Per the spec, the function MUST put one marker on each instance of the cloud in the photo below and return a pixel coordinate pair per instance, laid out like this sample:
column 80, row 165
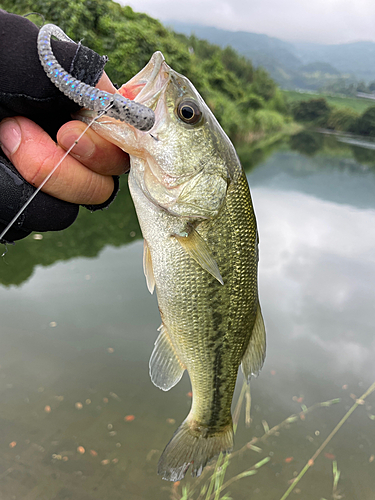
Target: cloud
column 317, row 271
column 322, row 21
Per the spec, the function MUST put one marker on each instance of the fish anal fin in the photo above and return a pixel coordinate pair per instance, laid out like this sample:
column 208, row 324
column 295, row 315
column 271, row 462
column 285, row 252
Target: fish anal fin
column 253, row 358
column 147, row 267
column 166, row 368
column 197, row 248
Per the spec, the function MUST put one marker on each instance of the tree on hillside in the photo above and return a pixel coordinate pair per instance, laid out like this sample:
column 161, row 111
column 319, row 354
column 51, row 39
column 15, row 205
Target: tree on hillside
column 240, row 66
column 263, row 85
column 342, row 119
column 366, row 123
column 362, row 87
column 314, row 110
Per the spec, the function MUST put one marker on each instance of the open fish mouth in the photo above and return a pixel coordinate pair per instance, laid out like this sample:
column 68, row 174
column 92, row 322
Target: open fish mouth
column 145, row 86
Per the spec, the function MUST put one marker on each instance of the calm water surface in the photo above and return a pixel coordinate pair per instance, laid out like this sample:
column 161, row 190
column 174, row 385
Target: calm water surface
column 78, row 327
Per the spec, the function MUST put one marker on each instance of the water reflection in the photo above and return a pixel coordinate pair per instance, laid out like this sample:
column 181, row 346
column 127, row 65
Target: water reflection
column 311, row 143
column 80, row 326
column 307, row 143
column 317, row 273
column 86, row 238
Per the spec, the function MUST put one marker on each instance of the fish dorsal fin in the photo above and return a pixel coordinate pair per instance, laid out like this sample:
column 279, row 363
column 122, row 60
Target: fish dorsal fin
column 253, row 358
column 166, row 368
column 147, row 267
column 197, row 248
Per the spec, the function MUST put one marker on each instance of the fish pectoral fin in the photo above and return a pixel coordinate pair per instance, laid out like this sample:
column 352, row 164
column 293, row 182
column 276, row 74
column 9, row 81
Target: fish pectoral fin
column 253, row 358
column 147, row 267
column 166, row 368
column 197, row 248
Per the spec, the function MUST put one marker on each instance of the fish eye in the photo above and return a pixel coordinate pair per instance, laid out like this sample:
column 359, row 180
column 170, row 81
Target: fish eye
column 189, row 112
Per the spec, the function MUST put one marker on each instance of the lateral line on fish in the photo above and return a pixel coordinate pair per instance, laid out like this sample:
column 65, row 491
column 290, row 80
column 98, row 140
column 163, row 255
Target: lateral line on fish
column 27, row 203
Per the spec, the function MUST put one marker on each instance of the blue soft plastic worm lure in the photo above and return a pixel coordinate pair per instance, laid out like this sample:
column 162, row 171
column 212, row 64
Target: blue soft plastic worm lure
column 89, row 97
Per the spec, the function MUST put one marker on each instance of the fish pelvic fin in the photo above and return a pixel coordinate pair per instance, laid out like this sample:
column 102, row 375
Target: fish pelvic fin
column 147, row 267
column 197, row 248
column 255, row 353
column 166, row 368
column 192, row 446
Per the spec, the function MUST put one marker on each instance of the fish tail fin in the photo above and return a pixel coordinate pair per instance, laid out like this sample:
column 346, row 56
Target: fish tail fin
column 192, row 446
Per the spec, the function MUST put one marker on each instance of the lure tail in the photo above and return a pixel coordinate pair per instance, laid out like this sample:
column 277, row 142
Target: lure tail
column 192, row 445
column 115, row 105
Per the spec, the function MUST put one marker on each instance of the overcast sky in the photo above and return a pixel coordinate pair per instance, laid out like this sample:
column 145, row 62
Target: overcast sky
column 321, row 21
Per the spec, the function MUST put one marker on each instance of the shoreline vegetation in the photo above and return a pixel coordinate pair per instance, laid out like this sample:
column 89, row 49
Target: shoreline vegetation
column 334, row 100
column 319, row 113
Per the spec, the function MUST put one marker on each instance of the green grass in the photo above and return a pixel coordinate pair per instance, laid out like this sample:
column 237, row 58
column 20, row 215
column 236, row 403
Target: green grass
column 212, row 482
column 355, row 103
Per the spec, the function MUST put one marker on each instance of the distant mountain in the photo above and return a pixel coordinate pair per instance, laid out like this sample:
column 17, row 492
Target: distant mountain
column 293, row 65
column 251, row 45
column 357, row 58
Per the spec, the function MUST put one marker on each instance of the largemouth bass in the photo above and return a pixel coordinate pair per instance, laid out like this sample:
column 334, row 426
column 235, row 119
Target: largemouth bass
column 200, row 253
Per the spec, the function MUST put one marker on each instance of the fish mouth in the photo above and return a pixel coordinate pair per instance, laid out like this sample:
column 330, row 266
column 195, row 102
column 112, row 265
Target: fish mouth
column 146, row 86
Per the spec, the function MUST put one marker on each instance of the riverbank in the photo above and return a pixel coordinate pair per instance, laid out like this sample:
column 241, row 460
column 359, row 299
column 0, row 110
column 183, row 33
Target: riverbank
column 355, row 103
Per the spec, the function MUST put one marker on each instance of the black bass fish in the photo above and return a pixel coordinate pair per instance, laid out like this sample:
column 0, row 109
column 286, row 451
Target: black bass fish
column 200, row 253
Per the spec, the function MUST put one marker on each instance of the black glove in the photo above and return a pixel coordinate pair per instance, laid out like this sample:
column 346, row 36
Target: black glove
column 26, row 90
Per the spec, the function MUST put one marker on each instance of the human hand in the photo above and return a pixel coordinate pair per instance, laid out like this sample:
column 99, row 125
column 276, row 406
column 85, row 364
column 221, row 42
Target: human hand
column 26, row 93
column 84, row 177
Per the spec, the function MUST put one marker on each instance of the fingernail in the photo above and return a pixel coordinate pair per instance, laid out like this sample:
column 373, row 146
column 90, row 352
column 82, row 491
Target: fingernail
column 84, row 148
column 10, row 136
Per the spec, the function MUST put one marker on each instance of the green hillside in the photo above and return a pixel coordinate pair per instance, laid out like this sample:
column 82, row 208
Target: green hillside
column 245, row 100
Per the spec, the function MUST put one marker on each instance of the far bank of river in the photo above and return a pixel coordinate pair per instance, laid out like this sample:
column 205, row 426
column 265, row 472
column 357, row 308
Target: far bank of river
column 355, row 103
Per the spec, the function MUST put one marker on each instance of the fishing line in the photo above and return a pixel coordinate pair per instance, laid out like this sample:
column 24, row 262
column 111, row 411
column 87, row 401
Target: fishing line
column 101, row 113
column 5, row 251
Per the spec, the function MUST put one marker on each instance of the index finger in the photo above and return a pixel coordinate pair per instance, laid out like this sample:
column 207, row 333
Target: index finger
column 37, row 154
column 96, row 153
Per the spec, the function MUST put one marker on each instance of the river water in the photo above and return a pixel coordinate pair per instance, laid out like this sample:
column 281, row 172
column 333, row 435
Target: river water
column 79, row 416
